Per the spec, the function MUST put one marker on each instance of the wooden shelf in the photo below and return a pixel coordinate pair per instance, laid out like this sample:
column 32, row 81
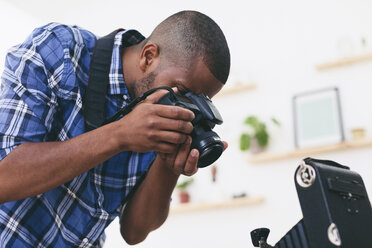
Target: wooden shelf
column 193, row 207
column 345, row 61
column 237, row 88
column 308, row 152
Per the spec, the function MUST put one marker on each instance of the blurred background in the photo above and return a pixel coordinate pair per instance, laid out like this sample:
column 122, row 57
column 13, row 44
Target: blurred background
column 279, row 50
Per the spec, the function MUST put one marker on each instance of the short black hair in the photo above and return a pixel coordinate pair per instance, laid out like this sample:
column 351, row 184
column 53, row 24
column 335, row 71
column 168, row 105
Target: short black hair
column 187, row 35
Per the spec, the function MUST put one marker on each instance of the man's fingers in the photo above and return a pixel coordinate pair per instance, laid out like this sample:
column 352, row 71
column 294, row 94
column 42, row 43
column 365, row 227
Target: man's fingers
column 191, row 163
column 172, row 125
column 168, row 137
column 174, row 112
column 166, row 148
column 183, row 152
column 225, row 145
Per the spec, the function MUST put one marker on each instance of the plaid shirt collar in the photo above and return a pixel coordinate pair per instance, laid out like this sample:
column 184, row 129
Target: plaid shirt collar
column 123, row 39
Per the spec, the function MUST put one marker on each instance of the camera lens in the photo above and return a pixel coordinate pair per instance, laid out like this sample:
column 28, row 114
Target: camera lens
column 210, row 148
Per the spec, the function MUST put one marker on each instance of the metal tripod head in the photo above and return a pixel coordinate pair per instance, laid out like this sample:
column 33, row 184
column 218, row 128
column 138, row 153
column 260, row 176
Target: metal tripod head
column 259, row 237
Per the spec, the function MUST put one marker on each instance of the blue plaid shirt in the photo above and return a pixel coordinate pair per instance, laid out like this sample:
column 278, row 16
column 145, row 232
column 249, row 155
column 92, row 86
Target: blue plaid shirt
column 42, row 88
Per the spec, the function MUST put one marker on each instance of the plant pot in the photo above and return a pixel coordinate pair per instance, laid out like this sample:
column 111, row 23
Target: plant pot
column 184, row 197
column 255, row 147
column 358, row 133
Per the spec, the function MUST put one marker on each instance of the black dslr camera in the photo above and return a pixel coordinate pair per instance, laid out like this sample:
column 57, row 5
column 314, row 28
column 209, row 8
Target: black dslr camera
column 207, row 142
column 207, row 116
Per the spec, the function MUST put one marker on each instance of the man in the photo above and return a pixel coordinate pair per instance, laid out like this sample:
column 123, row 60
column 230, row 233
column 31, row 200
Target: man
column 61, row 186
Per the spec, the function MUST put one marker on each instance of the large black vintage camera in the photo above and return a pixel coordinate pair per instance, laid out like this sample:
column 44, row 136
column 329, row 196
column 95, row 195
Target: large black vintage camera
column 336, row 210
column 207, row 116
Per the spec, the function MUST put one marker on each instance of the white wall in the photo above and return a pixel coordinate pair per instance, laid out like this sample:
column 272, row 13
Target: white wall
column 274, row 44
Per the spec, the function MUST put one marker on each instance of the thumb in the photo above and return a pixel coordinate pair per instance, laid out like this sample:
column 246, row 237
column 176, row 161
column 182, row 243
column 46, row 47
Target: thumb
column 225, row 145
column 157, row 95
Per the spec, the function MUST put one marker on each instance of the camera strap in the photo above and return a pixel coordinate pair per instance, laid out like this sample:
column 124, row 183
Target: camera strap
column 98, row 80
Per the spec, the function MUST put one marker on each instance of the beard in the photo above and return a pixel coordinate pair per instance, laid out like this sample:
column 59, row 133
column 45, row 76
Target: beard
column 144, row 84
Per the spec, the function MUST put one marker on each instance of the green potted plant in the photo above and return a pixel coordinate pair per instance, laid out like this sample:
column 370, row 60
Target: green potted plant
column 257, row 137
column 182, row 189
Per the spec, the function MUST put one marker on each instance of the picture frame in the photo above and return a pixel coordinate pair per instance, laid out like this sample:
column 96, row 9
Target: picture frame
column 317, row 118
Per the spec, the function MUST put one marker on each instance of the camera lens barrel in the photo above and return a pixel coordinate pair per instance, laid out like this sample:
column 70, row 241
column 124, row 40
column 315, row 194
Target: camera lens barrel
column 210, row 147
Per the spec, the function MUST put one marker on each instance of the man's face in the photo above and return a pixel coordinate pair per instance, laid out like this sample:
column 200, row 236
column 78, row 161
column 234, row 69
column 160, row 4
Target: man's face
column 197, row 79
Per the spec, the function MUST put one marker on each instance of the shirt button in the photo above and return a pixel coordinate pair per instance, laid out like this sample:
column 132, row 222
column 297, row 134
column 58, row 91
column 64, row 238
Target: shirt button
column 85, row 240
column 125, row 97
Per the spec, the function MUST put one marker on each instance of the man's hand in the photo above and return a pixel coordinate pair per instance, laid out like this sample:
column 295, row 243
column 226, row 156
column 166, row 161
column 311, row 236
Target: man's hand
column 161, row 128
column 154, row 127
column 183, row 161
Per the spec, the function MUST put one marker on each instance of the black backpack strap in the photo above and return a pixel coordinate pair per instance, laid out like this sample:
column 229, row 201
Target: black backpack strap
column 95, row 95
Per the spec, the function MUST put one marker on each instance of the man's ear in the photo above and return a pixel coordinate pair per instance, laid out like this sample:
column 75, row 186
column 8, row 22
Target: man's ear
column 149, row 56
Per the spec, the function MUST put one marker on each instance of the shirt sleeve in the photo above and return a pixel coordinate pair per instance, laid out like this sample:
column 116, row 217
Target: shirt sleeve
column 27, row 100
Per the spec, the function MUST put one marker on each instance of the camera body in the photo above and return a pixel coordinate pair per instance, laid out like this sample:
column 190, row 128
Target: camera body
column 207, row 142
column 335, row 205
